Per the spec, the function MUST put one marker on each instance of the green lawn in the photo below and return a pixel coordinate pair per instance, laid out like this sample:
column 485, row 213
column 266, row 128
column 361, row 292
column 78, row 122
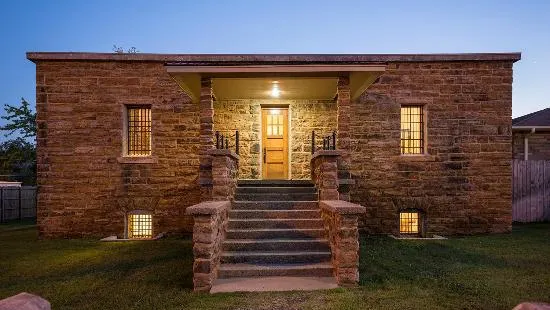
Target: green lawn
column 481, row 272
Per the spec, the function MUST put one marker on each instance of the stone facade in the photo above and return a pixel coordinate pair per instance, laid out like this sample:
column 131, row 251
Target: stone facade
column 324, row 173
column 341, row 221
column 210, row 224
column 85, row 187
column 225, row 168
column 304, row 117
column 538, row 144
column 463, row 183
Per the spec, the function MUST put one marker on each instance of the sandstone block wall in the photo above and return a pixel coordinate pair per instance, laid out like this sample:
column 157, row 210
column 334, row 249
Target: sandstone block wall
column 538, row 143
column 340, row 220
column 463, row 183
column 83, row 189
column 304, row 116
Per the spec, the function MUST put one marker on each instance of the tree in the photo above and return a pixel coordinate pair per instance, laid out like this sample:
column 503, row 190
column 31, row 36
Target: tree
column 20, row 119
column 120, row 50
column 18, row 155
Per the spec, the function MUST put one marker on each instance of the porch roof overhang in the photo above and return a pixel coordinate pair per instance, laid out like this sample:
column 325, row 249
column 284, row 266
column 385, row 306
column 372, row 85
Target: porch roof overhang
column 296, row 81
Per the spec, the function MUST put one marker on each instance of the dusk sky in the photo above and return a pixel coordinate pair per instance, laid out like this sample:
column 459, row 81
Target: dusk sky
column 279, row 27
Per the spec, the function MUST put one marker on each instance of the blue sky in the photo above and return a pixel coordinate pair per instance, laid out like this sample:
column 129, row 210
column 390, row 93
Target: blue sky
column 279, row 27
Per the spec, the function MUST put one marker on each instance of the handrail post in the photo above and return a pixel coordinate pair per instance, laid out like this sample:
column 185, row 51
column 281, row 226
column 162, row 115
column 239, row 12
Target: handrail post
column 334, row 140
column 217, row 139
column 226, row 142
column 237, row 142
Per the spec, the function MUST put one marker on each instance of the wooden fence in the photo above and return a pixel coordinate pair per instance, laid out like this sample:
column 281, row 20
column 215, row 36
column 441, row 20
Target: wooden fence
column 531, row 191
column 17, row 203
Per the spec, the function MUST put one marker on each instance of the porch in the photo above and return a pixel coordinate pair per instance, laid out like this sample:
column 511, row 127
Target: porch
column 281, row 112
column 284, row 132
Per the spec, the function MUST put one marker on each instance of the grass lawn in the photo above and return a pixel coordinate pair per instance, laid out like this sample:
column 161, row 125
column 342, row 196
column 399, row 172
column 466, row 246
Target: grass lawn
column 481, row 272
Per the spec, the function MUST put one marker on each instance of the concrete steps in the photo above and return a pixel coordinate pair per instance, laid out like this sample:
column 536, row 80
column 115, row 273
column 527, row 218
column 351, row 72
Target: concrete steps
column 305, row 196
column 262, row 223
column 313, row 244
column 269, row 270
column 273, row 284
column 275, row 230
column 275, row 257
column 273, row 214
column 275, row 205
column 289, row 233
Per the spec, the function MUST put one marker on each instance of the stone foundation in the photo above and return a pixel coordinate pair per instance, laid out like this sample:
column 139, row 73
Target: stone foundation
column 210, row 223
column 341, row 220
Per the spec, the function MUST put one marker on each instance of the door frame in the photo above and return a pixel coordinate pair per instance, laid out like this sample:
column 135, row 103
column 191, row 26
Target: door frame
column 288, row 135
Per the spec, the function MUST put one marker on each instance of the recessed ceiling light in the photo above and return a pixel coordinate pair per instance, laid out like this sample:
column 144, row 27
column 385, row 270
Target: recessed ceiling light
column 275, row 92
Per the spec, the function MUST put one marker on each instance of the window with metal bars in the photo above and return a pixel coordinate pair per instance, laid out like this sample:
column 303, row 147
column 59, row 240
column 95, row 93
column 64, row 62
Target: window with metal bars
column 140, row 226
column 139, row 130
column 412, row 130
column 409, row 222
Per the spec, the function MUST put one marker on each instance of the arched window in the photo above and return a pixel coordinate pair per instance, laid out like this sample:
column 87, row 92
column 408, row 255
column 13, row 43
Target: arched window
column 140, row 225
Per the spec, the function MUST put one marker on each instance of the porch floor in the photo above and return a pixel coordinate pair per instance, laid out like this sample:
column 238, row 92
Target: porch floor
column 255, row 182
column 273, row 284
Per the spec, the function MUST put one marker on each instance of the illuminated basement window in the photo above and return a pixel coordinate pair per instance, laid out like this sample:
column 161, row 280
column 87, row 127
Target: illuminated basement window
column 139, row 130
column 412, row 130
column 140, row 226
column 409, row 222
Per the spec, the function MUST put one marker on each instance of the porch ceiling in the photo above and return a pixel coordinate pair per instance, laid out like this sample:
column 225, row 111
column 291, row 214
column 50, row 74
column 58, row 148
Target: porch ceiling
column 256, row 82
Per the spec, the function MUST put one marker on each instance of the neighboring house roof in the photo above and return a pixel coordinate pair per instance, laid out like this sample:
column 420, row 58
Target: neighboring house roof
column 539, row 119
column 228, row 59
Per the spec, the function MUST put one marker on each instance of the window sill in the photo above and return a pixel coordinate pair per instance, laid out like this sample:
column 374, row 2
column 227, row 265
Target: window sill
column 138, row 160
column 417, row 157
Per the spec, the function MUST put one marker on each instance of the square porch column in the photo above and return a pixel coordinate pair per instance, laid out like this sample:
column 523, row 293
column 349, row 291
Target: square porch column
column 343, row 143
column 206, row 114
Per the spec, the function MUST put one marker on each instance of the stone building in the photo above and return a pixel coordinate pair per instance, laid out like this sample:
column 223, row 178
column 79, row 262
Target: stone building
column 424, row 141
column 531, row 136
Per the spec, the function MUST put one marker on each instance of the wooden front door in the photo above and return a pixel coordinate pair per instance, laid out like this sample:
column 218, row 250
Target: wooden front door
column 275, row 143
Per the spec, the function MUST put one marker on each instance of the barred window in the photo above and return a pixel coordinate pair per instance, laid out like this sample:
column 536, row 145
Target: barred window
column 412, row 130
column 409, row 222
column 139, row 131
column 140, row 226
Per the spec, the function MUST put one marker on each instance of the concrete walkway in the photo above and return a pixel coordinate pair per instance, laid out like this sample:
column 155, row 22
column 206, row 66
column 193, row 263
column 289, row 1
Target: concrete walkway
column 273, row 284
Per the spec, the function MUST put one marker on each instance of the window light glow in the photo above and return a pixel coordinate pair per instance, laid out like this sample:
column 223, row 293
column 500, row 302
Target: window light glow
column 274, row 111
column 140, row 226
column 412, row 130
column 408, row 222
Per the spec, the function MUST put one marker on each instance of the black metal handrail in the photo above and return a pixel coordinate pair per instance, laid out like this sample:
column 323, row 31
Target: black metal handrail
column 329, row 142
column 222, row 141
